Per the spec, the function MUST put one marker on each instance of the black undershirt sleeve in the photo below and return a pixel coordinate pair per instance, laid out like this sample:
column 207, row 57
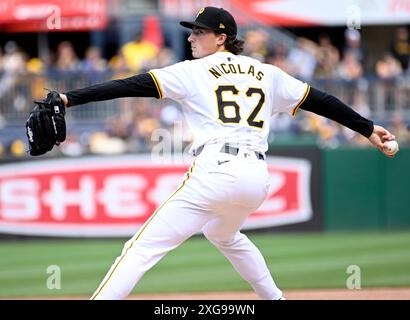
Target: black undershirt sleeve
column 328, row 106
column 141, row 85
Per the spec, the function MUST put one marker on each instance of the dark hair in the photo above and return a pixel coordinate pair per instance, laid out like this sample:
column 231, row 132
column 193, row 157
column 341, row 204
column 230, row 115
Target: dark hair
column 234, row 45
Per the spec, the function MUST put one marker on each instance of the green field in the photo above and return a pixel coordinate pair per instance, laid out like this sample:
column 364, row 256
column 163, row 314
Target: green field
column 296, row 261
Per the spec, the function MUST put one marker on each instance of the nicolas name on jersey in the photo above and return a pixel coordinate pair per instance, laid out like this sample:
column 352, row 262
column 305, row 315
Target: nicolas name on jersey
column 235, row 68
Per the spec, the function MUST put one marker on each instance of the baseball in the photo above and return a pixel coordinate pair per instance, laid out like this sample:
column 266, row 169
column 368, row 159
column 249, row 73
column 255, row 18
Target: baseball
column 391, row 147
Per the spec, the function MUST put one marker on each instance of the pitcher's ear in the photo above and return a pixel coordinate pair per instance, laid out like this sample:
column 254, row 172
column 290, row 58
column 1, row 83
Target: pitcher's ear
column 221, row 38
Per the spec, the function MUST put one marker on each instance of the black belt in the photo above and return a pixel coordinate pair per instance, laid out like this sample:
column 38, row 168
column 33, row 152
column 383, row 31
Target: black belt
column 226, row 148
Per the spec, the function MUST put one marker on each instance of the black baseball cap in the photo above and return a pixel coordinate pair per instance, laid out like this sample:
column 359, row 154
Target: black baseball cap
column 216, row 19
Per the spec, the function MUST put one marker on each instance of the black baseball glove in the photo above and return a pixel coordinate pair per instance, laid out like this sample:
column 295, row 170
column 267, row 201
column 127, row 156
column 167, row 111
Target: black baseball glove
column 46, row 126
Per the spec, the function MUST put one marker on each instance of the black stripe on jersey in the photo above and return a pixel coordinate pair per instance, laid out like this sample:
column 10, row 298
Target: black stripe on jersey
column 157, row 85
column 301, row 101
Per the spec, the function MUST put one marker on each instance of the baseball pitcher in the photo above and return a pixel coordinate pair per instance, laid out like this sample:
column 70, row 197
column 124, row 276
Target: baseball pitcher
column 227, row 99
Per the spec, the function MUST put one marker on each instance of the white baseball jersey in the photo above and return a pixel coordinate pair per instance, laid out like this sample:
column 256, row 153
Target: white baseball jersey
column 230, row 98
column 226, row 99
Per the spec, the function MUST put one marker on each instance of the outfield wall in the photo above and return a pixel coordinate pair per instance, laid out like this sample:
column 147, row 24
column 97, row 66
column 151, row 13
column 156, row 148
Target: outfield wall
column 113, row 196
column 312, row 189
column 359, row 188
column 363, row 189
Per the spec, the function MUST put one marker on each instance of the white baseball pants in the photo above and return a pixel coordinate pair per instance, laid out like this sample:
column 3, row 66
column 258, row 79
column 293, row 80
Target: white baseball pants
column 218, row 194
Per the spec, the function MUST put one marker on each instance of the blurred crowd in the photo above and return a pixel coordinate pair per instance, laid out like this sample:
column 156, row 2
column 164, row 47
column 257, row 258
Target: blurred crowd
column 309, row 60
column 135, row 127
column 348, row 67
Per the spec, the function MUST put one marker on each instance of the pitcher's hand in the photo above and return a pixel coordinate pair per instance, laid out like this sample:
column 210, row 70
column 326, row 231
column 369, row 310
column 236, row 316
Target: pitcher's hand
column 379, row 136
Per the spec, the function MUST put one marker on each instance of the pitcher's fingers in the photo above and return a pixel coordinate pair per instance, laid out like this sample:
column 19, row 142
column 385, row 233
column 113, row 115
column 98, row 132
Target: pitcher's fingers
column 388, row 136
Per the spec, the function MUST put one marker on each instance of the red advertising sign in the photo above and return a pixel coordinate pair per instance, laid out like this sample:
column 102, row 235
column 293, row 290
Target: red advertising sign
column 114, row 196
column 345, row 13
column 53, row 15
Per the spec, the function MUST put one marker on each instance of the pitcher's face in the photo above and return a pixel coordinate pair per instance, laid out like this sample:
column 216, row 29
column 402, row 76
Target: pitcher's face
column 205, row 42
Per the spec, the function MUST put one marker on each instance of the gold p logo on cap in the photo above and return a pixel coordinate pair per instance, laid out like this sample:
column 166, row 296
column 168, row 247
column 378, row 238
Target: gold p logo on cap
column 200, row 11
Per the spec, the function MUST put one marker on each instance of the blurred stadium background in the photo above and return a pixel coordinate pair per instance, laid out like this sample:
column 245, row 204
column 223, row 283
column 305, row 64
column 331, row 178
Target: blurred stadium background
column 337, row 201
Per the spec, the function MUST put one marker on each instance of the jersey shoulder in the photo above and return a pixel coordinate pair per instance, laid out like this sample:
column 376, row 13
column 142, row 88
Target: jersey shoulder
column 252, row 61
column 273, row 68
column 274, row 72
column 178, row 68
column 255, row 62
